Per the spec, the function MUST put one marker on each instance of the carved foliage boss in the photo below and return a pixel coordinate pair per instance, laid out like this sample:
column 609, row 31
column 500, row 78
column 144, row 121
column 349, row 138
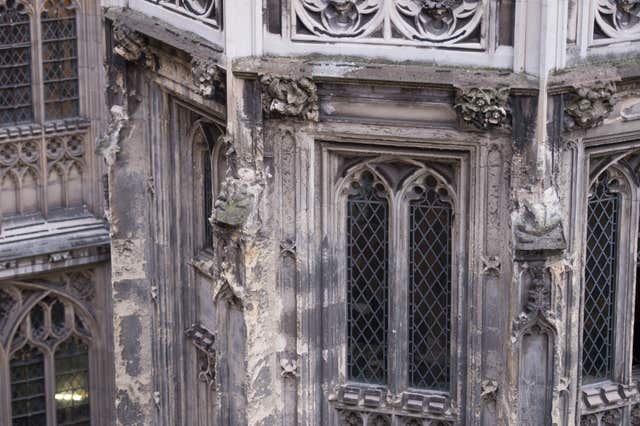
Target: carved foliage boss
column 289, row 97
column 590, row 105
column 484, row 108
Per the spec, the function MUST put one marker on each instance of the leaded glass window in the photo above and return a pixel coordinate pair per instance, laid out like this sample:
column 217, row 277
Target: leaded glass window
column 59, row 59
column 600, row 281
column 72, row 383
column 28, row 402
column 207, row 192
column 398, row 277
column 430, row 225
column 15, row 64
column 367, row 287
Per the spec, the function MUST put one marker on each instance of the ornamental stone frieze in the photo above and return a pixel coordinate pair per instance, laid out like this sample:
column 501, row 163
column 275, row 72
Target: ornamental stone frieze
column 289, row 97
column 133, row 46
column 590, row 105
column 484, row 108
column 208, row 77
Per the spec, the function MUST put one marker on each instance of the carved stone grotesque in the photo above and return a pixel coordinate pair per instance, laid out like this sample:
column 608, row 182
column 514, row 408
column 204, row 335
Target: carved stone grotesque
column 207, row 77
column 288, row 97
column 612, row 418
column 236, row 199
column 538, row 223
column 590, row 106
column 133, row 46
column 485, row 108
column 589, row 420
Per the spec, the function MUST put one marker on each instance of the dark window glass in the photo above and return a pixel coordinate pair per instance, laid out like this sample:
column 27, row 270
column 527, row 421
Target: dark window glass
column 15, row 64
column 367, row 286
column 28, row 403
column 430, row 288
column 207, row 195
column 72, row 383
column 600, row 282
column 60, row 60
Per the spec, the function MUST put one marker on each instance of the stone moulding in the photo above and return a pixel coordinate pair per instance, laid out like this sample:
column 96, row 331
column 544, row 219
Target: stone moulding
column 590, row 105
column 482, row 107
column 289, row 97
column 208, row 77
column 133, row 46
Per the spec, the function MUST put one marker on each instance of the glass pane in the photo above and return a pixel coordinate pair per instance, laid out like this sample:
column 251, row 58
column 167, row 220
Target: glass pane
column 430, row 289
column 367, row 287
column 28, row 404
column 207, row 197
column 72, row 383
column 15, row 64
column 60, row 60
column 600, row 282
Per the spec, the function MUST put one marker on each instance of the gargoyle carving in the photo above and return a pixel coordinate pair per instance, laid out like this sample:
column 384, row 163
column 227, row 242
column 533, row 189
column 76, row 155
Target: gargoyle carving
column 287, row 97
column 133, row 46
column 484, row 108
column 207, row 77
column 590, row 106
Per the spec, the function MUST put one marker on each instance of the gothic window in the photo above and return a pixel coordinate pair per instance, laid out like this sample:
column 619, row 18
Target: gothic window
column 15, row 64
column 396, row 223
column 209, row 169
column 600, row 281
column 47, row 339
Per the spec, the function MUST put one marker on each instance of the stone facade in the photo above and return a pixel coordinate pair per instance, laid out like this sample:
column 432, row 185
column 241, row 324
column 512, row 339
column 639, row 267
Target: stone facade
column 245, row 149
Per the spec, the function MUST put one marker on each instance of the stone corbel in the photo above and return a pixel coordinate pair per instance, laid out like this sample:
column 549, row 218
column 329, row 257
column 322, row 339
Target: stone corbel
column 133, row 46
column 289, row 97
column 204, row 341
column 485, row 108
column 208, row 77
column 590, row 105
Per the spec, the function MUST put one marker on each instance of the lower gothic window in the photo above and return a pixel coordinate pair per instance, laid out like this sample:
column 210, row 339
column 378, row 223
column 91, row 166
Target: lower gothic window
column 397, row 225
column 48, row 359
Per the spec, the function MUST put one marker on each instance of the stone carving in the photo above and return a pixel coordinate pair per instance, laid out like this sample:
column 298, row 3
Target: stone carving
column 289, row 367
column 204, row 341
column 340, row 18
column 612, row 418
column 491, row 265
column 288, row 248
column 489, row 390
column 287, row 97
column 207, row 11
column 207, row 77
column 108, row 143
column 538, row 294
column 589, row 420
column 351, row 418
column 438, row 21
column 617, row 19
column 538, row 222
column 484, row 108
column 133, row 46
column 590, row 106
column 233, row 206
column 432, row 22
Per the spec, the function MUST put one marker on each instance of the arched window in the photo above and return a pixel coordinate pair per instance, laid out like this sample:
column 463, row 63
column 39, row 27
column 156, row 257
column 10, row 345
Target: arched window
column 49, row 359
column 600, row 281
column 367, row 280
column 398, row 276
column 15, row 64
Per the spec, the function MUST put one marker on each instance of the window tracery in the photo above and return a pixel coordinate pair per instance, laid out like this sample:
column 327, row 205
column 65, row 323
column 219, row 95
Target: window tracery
column 206, row 11
column 46, row 332
column 616, row 20
column 395, row 223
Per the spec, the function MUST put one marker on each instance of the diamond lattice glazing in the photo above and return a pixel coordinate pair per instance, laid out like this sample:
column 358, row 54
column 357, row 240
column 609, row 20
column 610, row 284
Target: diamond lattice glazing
column 430, row 291
column 367, row 264
column 600, row 282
